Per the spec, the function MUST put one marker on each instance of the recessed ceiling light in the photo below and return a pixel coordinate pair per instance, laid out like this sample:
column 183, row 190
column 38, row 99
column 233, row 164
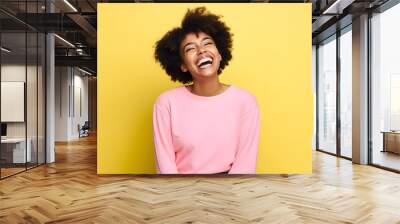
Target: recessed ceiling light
column 71, row 6
column 5, row 50
column 64, row 40
column 84, row 71
column 337, row 7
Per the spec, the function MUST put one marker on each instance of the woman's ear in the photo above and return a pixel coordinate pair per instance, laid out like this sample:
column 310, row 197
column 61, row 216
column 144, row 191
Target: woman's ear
column 183, row 68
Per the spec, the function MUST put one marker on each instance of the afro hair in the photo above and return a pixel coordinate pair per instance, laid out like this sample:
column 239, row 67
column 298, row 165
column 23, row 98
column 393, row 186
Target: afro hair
column 195, row 21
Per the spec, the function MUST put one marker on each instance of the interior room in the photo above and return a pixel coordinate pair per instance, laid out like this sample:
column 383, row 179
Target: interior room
column 50, row 125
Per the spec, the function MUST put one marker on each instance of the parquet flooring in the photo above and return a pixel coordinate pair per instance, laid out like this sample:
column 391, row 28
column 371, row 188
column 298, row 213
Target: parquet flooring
column 386, row 159
column 10, row 171
column 70, row 191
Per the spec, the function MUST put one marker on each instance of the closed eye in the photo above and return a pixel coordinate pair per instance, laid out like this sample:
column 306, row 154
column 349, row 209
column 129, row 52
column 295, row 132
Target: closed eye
column 189, row 49
column 207, row 41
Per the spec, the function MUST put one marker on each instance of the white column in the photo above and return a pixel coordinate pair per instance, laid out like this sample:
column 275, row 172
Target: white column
column 50, row 92
column 50, row 99
column 360, row 90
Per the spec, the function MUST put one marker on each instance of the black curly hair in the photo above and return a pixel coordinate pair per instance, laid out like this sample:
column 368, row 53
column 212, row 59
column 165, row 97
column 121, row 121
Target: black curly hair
column 195, row 21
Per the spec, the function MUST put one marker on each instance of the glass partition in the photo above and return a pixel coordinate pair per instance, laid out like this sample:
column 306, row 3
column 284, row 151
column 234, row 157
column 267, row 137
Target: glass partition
column 32, row 95
column 22, row 77
column 13, row 109
column 41, row 109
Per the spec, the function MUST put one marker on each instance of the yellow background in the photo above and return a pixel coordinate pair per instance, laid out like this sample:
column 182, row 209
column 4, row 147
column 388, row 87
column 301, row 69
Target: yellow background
column 271, row 59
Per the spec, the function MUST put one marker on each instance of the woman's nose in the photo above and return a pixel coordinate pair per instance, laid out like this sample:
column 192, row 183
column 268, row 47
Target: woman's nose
column 202, row 49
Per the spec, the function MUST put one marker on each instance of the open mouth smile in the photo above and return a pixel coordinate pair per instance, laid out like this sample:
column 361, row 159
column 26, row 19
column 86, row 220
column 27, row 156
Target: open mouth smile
column 204, row 62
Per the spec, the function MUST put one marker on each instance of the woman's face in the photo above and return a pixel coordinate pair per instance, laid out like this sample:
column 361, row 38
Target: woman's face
column 200, row 55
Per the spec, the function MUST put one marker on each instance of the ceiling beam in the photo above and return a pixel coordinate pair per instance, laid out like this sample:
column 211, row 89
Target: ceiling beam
column 85, row 61
column 337, row 7
column 86, row 26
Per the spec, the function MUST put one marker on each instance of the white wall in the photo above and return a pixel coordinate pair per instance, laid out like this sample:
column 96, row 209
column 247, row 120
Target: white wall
column 16, row 73
column 13, row 72
column 62, row 81
column 81, row 103
column 71, row 94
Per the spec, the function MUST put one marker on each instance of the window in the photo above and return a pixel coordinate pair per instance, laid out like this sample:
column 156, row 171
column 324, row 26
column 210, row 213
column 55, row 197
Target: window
column 346, row 93
column 385, row 88
column 327, row 95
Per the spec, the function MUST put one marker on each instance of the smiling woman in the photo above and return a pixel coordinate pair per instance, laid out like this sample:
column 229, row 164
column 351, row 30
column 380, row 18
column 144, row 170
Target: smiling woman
column 208, row 126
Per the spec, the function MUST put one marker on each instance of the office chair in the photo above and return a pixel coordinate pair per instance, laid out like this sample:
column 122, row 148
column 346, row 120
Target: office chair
column 84, row 130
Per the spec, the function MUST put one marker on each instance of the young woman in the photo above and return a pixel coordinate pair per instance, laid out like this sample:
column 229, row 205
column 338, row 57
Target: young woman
column 206, row 127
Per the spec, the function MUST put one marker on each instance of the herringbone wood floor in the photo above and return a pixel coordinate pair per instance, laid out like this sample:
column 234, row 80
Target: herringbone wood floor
column 69, row 191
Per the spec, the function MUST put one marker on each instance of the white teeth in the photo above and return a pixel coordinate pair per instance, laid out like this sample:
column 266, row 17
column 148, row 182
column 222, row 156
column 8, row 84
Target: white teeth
column 205, row 66
column 204, row 60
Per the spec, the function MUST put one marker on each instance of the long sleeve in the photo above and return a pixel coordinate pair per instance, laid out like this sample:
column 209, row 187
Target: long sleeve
column 246, row 156
column 164, row 151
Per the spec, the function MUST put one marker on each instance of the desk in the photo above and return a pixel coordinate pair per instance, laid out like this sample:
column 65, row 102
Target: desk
column 16, row 147
column 391, row 141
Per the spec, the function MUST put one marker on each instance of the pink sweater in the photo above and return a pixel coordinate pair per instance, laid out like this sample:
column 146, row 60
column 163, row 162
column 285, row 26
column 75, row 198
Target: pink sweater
column 200, row 135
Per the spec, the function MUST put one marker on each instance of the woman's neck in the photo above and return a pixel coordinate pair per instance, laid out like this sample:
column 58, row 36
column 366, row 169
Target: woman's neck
column 207, row 88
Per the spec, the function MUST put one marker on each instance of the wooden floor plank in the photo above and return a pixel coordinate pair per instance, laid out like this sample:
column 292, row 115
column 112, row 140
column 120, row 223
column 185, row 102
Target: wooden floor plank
column 70, row 191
